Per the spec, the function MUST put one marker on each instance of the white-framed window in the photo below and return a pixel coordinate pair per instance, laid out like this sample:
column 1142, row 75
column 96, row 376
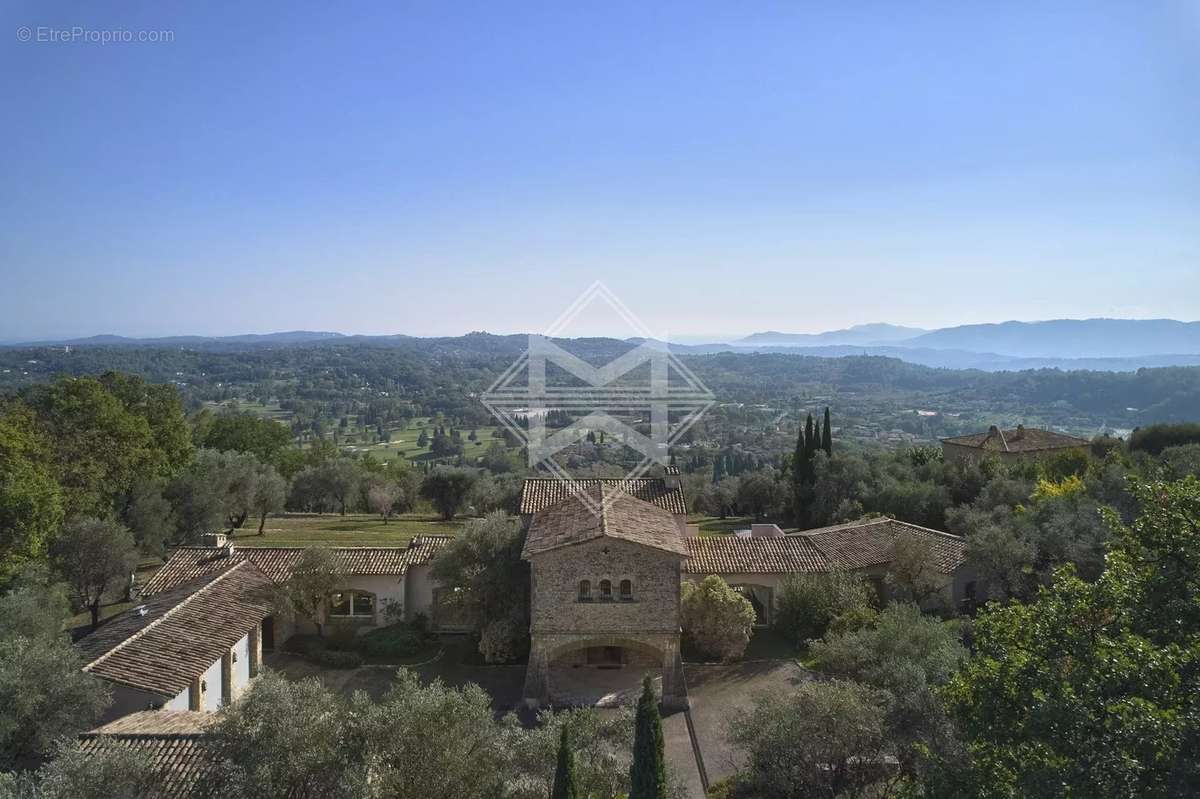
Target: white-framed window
column 351, row 604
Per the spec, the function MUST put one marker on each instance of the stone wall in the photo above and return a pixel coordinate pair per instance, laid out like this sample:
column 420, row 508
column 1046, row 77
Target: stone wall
column 556, row 576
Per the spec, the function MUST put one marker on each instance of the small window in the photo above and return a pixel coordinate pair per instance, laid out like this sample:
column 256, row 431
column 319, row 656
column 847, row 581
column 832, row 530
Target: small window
column 364, row 605
column 626, row 591
column 606, row 591
column 585, row 591
column 352, row 604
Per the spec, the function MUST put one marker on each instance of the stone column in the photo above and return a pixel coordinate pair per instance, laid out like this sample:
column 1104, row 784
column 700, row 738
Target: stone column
column 227, row 677
column 674, row 689
column 195, row 700
column 537, row 677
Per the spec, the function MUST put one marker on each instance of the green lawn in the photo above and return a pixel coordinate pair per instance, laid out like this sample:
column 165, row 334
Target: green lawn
column 353, row 529
column 712, row 525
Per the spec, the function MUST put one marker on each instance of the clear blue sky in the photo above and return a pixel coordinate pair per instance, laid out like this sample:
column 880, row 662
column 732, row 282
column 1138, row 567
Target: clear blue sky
column 433, row 168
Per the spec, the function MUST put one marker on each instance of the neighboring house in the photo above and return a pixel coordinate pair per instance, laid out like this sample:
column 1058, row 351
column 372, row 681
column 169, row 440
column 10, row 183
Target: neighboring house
column 174, row 741
column 194, row 647
column 374, row 580
column 1021, row 443
column 605, row 586
column 756, row 565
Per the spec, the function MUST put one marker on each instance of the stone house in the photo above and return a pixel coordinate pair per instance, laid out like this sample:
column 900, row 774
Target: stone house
column 1020, row 443
column 194, row 647
column 605, row 585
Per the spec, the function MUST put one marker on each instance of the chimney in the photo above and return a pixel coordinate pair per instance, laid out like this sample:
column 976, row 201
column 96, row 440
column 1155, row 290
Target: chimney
column 214, row 539
column 671, row 477
column 1020, row 432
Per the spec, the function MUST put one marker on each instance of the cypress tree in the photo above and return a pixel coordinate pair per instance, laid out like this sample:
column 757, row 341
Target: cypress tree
column 566, row 784
column 816, row 436
column 648, row 773
column 718, row 469
column 799, row 470
column 810, row 440
column 827, row 437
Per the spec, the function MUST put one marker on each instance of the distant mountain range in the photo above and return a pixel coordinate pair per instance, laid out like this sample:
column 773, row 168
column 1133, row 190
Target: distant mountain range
column 866, row 335
column 1095, row 344
column 286, row 337
column 1055, row 339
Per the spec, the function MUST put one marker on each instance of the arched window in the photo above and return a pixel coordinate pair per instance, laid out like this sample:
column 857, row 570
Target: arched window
column 585, row 591
column 626, row 591
column 606, row 591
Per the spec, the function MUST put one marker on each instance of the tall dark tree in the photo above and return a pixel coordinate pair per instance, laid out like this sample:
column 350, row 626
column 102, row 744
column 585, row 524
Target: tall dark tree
column 810, row 439
column 800, row 468
column 566, row 784
column 827, row 434
column 648, row 772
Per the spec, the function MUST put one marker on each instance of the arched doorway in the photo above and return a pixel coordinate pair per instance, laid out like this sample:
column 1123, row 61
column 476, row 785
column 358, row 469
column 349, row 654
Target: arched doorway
column 601, row 673
column 582, row 670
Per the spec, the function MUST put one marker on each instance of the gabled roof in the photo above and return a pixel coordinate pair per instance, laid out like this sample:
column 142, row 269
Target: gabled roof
column 871, row 542
column 188, row 563
column 174, row 740
column 163, row 644
column 857, row 545
column 1019, row 439
column 539, row 493
column 602, row 511
column 732, row 554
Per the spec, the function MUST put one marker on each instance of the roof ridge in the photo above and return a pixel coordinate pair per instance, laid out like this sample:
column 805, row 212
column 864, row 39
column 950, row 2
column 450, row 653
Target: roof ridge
column 924, row 529
column 221, row 575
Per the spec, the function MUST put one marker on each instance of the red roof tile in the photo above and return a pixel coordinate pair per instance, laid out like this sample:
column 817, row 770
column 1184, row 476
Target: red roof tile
column 163, row 644
column 540, row 493
column 602, row 511
column 188, row 563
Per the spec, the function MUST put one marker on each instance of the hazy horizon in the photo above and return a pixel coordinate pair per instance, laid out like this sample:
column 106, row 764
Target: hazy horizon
column 436, row 170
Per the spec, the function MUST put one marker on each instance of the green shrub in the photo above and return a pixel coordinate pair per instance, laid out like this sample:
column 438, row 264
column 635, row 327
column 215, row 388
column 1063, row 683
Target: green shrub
column 333, row 659
column 303, row 644
column 396, row 641
column 809, row 603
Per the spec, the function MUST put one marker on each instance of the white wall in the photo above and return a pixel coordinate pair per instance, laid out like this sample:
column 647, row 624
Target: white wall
column 181, row 702
column 241, row 666
column 128, row 700
column 212, row 696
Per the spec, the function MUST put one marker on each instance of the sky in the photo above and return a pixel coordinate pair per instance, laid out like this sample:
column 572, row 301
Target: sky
column 435, row 168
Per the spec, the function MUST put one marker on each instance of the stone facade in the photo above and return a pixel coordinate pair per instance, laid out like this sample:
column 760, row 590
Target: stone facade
column 645, row 625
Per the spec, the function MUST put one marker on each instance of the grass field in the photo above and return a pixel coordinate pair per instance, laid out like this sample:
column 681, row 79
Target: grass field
column 353, row 529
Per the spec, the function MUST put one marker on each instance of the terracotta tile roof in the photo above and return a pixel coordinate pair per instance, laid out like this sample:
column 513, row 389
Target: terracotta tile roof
column 857, row 545
column 731, row 554
column 181, row 760
column 163, row 644
column 157, row 722
column 622, row 516
column 870, row 542
column 540, row 493
column 1019, row 439
column 188, row 563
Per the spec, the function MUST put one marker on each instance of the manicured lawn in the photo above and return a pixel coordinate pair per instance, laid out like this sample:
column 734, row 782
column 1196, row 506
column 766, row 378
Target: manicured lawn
column 712, row 525
column 353, row 529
